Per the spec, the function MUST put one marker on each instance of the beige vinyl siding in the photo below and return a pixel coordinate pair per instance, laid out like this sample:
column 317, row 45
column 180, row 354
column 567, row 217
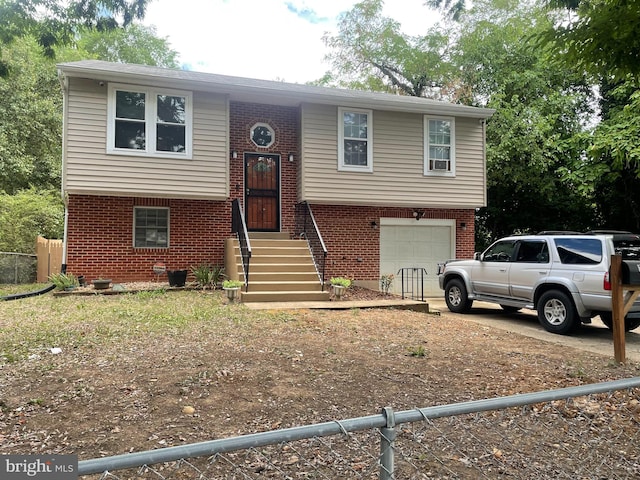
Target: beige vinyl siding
column 398, row 163
column 90, row 170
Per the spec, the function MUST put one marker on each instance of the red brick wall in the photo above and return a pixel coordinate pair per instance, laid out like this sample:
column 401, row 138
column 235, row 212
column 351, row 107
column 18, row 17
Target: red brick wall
column 100, row 239
column 354, row 247
column 100, row 236
column 285, row 123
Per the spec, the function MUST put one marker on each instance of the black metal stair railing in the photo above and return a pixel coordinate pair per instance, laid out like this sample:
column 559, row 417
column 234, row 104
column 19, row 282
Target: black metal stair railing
column 306, row 227
column 239, row 227
column 412, row 279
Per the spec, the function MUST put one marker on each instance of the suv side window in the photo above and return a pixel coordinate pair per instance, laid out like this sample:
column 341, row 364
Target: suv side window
column 580, row 251
column 500, row 252
column 531, row 251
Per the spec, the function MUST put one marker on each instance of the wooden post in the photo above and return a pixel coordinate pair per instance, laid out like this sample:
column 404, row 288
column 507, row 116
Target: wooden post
column 617, row 308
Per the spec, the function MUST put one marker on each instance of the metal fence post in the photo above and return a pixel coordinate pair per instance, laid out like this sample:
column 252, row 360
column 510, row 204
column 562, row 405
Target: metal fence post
column 387, row 437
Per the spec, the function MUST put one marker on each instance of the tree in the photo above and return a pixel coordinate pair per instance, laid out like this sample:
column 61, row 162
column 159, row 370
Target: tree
column 538, row 127
column 370, row 53
column 53, row 22
column 601, row 37
column 26, row 215
column 135, row 43
column 30, row 120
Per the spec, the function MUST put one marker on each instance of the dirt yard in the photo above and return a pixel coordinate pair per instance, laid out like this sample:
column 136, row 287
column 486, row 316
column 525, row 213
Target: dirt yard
column 103, row 375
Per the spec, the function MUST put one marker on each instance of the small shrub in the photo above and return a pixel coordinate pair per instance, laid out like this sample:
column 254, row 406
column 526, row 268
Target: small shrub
column 386, row 281
column 63, row 280
column 340, row 281
column 232, row 284
column 208, row 276
column 418, row 351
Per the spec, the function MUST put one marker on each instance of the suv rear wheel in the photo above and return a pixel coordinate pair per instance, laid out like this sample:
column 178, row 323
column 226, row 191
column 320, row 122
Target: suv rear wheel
column 455, row 294
column 630, row 323
column 556, row 312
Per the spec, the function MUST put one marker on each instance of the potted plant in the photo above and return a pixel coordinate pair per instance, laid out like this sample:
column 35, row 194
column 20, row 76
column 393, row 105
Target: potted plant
column 339, row 284
column 64, row 281
column 101, row 283
column 177, row 278
column 232, row 287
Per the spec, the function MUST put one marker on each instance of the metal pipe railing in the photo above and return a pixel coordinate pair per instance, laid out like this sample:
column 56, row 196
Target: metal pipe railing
column 239, row 227
column 307, row 227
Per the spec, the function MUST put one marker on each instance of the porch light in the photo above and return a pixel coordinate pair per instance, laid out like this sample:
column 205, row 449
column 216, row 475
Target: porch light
column 374, row 225
column 234, row 154
column 290, row 157
column 418, row 214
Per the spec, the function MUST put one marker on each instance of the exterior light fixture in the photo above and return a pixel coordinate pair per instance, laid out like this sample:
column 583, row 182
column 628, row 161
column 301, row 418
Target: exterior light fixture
column 234, row 154
column 418, row 214
column 374, row 225
column 290, row 157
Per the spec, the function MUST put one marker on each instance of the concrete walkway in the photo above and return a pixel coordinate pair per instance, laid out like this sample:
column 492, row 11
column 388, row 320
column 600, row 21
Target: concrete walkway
column 399, row 304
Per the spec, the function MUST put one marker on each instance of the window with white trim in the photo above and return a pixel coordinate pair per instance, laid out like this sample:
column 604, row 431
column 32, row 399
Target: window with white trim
column 150, row 227
column 149, row 122
column 355, row 135
column 439, row 146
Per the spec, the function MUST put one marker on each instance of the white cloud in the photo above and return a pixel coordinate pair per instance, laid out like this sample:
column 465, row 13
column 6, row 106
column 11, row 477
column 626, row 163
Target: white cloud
column 268, row 39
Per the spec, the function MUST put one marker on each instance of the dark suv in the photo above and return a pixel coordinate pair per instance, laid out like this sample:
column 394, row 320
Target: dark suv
column 564, row 277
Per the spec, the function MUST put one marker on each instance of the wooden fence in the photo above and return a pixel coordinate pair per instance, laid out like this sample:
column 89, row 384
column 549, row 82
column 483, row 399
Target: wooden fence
column 49, row 253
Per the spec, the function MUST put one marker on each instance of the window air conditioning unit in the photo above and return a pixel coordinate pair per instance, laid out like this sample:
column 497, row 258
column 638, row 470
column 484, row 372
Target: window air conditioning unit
column 441, row 165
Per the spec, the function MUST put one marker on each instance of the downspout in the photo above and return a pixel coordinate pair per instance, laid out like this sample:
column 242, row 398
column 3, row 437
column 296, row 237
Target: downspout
column 64, row 83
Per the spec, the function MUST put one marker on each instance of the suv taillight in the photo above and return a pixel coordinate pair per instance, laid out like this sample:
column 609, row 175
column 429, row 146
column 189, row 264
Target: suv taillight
column 607, row 283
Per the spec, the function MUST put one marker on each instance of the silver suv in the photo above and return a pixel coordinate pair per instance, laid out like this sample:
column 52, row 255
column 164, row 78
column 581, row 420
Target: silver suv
column 563, row 276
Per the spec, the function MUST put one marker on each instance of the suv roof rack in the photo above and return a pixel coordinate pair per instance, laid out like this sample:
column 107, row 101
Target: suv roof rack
column 608, row 232
column 558, row 232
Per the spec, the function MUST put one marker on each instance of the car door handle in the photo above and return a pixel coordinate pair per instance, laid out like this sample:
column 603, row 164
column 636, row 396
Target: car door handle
column 503, row 269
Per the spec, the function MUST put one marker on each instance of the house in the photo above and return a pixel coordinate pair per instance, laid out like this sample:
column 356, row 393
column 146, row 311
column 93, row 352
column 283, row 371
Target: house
column 156, row 160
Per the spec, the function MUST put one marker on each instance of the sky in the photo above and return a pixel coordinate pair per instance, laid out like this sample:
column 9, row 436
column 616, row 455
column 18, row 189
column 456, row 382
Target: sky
column 265, row 39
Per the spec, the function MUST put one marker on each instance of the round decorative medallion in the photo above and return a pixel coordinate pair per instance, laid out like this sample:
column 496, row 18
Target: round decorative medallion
column 262, row 135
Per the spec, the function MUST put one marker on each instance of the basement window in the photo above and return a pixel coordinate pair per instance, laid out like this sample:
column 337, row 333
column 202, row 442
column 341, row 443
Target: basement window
column 151, row 227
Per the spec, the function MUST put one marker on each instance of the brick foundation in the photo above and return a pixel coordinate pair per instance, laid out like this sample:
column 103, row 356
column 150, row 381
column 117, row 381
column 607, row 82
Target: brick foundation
column 100, row 239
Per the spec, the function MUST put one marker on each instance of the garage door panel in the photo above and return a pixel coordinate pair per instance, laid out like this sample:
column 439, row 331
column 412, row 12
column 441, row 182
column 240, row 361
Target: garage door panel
column 419, row 246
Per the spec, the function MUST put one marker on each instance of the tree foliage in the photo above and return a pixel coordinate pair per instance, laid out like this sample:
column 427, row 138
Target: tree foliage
column 601, row 37
column 371, row 53
column 54, row 22
column 538, row 126
column 30, row 120
column 26, row 215
column 135, row 43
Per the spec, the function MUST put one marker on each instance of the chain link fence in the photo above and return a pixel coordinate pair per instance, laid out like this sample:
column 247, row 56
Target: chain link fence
column 17, row 268
column 587, row 432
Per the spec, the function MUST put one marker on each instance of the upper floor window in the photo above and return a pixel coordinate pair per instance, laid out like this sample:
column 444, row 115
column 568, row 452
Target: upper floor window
column 439, row 149
column 145, row 121
column 355, row 146
column 150, row 227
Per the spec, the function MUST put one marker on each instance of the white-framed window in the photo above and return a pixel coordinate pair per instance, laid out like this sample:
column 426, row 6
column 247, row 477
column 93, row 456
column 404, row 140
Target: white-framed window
column 149, row 122
column 355, row 140
column 150, row 227
column 439, row 146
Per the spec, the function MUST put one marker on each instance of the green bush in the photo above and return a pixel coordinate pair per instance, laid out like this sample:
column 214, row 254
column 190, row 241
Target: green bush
column 26, row 215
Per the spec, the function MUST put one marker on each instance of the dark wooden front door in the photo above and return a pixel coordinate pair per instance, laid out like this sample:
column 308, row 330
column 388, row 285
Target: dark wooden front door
column 262, row 192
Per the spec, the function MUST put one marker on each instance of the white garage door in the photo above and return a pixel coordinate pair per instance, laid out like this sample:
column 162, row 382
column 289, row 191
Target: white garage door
column 415, row 244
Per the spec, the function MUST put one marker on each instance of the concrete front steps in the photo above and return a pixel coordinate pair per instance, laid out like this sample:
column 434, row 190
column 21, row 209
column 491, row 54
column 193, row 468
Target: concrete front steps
column 280, row 270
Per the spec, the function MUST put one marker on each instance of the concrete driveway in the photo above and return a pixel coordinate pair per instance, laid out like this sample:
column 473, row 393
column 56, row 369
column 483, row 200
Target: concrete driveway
column 594, row 338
